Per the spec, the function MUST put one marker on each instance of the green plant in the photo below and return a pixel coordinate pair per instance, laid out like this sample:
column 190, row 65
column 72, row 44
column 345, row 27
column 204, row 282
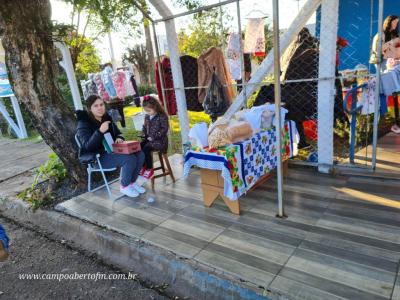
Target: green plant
column 52, row 172
column 139, row 57
column 208, row 29
column 52, row 169
column 65, row 90
column 144, row 89
column 37, row 197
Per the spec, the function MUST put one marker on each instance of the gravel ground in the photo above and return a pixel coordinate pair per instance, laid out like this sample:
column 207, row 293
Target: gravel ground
column 33, row 253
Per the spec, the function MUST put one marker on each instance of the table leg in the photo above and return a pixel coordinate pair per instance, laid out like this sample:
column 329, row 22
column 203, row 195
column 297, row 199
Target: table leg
column 234, row 206
column 209, row 197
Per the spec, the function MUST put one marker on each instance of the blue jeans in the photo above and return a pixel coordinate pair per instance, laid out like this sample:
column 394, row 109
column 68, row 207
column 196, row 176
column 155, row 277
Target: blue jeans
column 130, row 165
column 3, row 237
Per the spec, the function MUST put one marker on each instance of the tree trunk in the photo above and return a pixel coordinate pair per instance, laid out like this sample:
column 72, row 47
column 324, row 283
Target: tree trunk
column 32, row 67
column 150, row 52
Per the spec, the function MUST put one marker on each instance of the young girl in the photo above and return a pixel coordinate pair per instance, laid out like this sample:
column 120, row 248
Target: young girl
column 93, row 124
column 155, row 130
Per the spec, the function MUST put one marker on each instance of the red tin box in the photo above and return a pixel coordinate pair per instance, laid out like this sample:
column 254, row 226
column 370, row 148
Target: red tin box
column 126, row 147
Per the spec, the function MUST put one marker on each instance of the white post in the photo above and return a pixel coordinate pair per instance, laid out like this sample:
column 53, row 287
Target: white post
column 9, row 120
column 177, row 76
column 113, row 61
column 326, row 88
column 18, row 116
column 66, row 63
column 377, row 90
column 172, row 40
column 266, row 66
column 277, row 86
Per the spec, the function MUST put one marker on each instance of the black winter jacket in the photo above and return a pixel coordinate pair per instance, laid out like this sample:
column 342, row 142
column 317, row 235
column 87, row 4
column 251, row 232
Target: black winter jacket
column 89, row 135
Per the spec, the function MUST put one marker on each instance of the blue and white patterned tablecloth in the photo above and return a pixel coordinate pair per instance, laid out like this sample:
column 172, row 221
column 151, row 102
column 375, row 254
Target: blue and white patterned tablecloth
column 242, row 164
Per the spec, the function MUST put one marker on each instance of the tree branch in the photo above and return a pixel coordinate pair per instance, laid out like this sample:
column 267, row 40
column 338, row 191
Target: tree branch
column 79, row 20
column 87, row 22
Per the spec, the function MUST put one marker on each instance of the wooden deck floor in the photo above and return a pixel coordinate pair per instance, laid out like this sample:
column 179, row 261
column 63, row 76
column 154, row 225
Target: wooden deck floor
column 341, row 239
column 388, row 162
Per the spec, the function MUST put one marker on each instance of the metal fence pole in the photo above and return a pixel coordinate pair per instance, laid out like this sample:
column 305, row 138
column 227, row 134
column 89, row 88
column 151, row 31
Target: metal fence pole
column 242, row 65
column 278, row 132
column 377, row 90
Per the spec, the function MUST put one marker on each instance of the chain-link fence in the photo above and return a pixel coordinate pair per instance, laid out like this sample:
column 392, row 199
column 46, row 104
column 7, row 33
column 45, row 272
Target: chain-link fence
column 324, row 63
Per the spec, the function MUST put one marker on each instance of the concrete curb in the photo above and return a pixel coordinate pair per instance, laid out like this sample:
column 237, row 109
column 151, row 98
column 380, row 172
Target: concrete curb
column 185, row 277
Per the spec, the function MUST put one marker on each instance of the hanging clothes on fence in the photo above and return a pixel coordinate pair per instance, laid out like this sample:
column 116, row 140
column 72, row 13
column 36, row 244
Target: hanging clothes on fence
column 368, row 98
column 137, row 94
column 390, row 81
column 266, row 94
column 168, row 85
column 118, row 105
column 215, row 102
column 106, row 76
column 118, row 80
column 210, row 60
column 190, row 80
column 100, row 87
column 301, row 62
column 247, row 71
column 89, row 87
column 85, row 91
column 233, row 56
column 254, row 41
column 247, row 65
column 130, row 91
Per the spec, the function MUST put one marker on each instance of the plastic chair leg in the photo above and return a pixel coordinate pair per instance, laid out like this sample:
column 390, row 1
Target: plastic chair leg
column 89, row 180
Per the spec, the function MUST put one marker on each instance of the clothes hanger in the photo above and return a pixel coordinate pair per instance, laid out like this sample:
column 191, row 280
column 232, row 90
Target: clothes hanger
column 251, row 14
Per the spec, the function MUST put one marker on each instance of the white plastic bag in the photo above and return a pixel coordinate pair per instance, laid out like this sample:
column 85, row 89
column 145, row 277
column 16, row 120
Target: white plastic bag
column 198, row 135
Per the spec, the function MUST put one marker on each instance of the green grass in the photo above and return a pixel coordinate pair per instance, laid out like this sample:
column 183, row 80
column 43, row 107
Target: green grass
column 130, row 133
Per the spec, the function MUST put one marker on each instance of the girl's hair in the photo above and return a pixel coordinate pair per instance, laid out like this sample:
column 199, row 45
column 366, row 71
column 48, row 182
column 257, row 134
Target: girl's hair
column 89, row 102
column 153, row 103
column 388, row 33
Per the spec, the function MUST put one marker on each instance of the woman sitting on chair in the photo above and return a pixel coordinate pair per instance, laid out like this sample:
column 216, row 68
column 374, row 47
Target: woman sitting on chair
column 93, row 125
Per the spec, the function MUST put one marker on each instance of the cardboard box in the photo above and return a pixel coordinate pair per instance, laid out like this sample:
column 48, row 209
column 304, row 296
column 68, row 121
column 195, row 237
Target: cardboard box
column 127, row 147
column 211, row 177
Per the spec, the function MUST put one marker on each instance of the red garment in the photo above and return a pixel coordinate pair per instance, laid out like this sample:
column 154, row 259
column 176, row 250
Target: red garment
column 340, row 44
column 168, row 85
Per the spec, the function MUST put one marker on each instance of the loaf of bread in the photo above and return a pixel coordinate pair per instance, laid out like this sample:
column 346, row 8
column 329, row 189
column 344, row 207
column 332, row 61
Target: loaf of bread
column 218, row 137
column 239, row 132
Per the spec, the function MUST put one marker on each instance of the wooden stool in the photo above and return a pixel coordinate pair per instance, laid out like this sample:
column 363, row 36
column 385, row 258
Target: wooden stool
column 164, row 162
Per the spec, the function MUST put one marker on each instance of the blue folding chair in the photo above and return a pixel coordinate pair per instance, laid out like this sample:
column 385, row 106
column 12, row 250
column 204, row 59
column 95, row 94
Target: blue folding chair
column 94, row 165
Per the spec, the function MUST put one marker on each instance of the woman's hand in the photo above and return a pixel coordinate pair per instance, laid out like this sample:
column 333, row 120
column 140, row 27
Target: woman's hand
column 104, row 126
column 119, row 141
column 150, row 139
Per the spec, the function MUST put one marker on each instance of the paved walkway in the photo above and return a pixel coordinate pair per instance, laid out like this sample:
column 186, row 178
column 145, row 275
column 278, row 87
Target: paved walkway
column 17, row 161
column 340, row 241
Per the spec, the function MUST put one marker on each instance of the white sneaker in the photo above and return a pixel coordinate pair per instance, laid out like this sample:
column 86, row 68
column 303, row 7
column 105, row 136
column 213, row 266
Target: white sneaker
column 138, row 188
column 141, row 180
column 129, row 191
